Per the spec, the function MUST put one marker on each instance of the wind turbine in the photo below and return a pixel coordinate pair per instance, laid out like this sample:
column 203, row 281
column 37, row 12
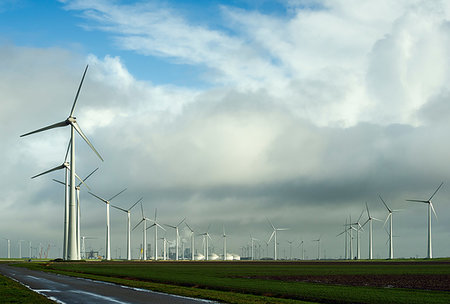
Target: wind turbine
column 164, row 247
column 274, row 234
column 303, row 252
column 72, row 250
column 9, row 247
column 252, row 239
column 359, row 227
column 77, row 189
column 318, row 247
column 290, row 249
column 345, row 239
column 205, row 238
column 389, row 216
column 369, row 220
column 108, row 229
column 83, row 245
column 144, row 233
column 156, row 225
column 192, row 241
column 430, row 208
column 177, row 236
column 224, row 244
column 128, row 212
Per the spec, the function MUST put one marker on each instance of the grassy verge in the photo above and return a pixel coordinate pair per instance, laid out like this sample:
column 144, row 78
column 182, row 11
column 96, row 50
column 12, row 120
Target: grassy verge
column 13, row 292
column 248, row 282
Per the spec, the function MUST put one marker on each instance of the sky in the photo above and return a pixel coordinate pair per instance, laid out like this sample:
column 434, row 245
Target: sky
column 229, row 113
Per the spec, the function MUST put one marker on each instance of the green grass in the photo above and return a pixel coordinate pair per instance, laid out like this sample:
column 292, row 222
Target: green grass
column 236, row 282
column 13, row 292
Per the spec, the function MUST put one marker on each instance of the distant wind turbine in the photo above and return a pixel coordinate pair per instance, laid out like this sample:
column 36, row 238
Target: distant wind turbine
column 389, row 217
column 358, row 228
column 303, row 252
column 430, row 208
column 252, row 239
column 144, row 233
column 128, row 212
column 318, row 247
column 156, row 225
column 206, row 236
column 72, row 250
column 224, row 244
column 108, row 228
column 177, row 237
column 369, row 220
column 192, row 241
column 274, row 234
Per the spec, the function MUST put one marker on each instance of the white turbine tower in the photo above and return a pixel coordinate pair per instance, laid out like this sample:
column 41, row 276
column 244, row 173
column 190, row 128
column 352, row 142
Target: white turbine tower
column 9, row 247
column 318, row 247
column 252, row 239
column 20, row 248
column 430, row 208
column 274, row 234
column 177, row 236
column 128, row 212
column 144, row 233
column 205, row 242
column 108, row 228
column 156, row 225
column 72, row 250
column 389, row 217
column 369, row 220
column 224, row 244
column 358, row 228
column 77, row 189
column 192, row 241
column 290, row 249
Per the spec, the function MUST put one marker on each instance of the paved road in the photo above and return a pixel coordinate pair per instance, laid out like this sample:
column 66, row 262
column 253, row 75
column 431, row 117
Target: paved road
column 65, row 289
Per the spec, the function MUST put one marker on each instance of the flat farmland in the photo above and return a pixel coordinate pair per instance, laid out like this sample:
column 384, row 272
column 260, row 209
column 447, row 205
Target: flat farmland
column 402, row 281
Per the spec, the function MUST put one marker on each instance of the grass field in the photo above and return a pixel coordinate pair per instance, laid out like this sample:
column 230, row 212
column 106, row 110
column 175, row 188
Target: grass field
column 282, row 282
column 13, row 292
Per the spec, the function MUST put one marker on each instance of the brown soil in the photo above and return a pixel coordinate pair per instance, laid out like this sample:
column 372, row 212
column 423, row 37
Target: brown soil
column 430, row 282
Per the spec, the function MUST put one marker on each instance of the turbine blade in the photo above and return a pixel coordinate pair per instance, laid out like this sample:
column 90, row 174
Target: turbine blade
column 142, row 210
column 180, row 222
column 150, row 226
column 160, row 226
column 78, row 129
column 273, row 227
column 364, row 223
column 367, row 208
column 118, row 208
column 271, row 236
column 417, row 201
column 432, row 208
column 89, row 175
column 170, row 226
column 51, row 170
column 436, row 191
column 192, row 230
column 67, row 151
column 82, row 181
column 137, row 224
column 55, row 180
column 129, row 209
column 384, row 203
column 117, row 194
column 78, row 92
column 102, row 199
column 56, row 125
column 360, row 216
column 390, row 214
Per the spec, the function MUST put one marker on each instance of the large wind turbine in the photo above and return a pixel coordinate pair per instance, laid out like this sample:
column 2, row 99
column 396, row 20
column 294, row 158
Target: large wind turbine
column 156, row 225
column 389, row 216
column 144, row 233
column 192, row 241
column 108, row 228
column 72, row 250
column 128, row 212
column 430, row 208
column 369, row 220
column 177, row 236
column 274, row 234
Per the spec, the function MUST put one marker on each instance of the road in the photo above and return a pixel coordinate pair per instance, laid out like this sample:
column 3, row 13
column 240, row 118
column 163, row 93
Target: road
column 65, row 289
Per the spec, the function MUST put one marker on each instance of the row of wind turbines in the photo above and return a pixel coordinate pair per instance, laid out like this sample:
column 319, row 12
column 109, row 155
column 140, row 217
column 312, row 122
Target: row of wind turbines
column 72, row 246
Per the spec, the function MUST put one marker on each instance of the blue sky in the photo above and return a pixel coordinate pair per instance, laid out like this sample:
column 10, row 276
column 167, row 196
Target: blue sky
column 228, row 112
